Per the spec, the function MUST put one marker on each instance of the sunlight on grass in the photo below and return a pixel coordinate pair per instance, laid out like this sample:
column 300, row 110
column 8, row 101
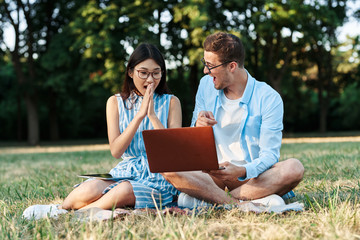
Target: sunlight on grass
column 330, row 192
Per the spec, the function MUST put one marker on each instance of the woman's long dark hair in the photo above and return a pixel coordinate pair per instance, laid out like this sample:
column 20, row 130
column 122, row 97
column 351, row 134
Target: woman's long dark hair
column 143, row 52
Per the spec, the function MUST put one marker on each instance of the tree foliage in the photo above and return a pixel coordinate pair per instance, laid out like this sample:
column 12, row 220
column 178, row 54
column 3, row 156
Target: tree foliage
column 69, row 56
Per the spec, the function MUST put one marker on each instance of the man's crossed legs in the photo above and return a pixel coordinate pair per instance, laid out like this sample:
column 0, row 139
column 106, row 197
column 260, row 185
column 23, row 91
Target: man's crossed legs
column 281, row 178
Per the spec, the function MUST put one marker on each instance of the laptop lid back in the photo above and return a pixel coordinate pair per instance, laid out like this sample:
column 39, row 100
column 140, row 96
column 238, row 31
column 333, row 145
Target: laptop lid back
column 180, row 149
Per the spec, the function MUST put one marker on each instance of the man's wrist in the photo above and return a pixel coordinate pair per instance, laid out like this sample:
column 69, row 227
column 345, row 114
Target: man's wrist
column 242, row 174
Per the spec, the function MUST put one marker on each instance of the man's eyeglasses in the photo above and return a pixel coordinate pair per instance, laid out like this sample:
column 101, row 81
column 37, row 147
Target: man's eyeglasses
column 209, row 68
column 143, row 74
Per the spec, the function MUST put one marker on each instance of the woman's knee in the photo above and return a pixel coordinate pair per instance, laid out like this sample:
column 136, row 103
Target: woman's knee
column 84, row 194
column 93, row 188
column 123, row 194
column 125, row 188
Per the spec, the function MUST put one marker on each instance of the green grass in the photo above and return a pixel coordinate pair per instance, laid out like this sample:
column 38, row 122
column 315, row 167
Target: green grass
column 330, row 191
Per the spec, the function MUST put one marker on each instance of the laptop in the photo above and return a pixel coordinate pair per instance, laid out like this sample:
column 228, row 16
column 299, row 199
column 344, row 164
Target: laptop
column 180, row 149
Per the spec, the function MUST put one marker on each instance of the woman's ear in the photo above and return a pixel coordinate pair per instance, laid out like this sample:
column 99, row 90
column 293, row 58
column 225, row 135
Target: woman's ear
column 131, row 73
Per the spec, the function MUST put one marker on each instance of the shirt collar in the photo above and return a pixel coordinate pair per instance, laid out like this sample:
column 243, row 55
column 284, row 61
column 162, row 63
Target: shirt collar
column 249, row 89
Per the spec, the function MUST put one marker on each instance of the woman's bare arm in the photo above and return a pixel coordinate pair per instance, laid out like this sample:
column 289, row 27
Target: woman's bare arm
column 175, row 116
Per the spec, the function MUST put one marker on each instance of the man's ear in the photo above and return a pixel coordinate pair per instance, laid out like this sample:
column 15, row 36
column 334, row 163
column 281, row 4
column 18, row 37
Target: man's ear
column 233, row 66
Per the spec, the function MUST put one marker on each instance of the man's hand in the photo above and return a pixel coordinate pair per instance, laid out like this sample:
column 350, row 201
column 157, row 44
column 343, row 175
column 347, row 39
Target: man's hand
column 230, row 173
column 205, row 118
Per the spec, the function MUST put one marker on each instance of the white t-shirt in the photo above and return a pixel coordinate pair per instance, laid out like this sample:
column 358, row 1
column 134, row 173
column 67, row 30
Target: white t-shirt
column 227, row 131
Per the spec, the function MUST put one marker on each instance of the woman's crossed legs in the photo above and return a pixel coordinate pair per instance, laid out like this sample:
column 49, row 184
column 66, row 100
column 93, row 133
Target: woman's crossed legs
column 90, row 194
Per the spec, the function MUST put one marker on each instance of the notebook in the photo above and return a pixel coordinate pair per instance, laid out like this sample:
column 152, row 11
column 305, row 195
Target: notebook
column 103, row 176
column 180, row 149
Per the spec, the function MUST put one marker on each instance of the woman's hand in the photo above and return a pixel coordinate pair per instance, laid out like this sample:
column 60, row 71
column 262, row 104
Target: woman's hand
column 151, row 110
column 144, row 108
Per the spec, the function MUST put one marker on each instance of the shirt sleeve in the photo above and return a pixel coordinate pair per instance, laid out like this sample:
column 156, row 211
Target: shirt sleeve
column 270, row 137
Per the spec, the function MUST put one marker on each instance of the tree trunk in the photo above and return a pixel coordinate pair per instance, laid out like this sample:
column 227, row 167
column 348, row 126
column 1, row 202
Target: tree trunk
column 321, row 99
column 53, row 118
column 19, row 120
column 33, row 119
column 31, row 96
column 27, row 90
column 323, row 116
column 30, row 102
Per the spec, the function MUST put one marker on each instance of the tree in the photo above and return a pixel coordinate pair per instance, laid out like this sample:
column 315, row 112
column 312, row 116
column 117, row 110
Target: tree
column 34, row 24
column 69, row 56
column 13, row 14
column 320, row 35
column 191, row 22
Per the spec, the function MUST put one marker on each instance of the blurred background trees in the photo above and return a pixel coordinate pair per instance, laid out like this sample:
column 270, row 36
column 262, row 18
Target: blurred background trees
column 60, row 60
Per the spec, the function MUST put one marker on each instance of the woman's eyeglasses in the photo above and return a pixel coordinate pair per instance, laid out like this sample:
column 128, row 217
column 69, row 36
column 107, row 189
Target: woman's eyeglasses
column 143, row 74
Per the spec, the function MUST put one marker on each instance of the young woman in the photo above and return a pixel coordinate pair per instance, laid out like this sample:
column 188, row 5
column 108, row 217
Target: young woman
column 144, row 103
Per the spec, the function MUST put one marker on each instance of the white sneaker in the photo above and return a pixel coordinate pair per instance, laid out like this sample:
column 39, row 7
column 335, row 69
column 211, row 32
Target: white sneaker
column 270, row 201
column 187, row 201
column 42, row 211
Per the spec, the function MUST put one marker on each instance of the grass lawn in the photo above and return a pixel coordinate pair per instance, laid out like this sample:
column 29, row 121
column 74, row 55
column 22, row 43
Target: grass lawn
column 330, row 191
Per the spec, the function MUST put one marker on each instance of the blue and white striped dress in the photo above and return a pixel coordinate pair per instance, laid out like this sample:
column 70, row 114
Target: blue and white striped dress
column 146, row 185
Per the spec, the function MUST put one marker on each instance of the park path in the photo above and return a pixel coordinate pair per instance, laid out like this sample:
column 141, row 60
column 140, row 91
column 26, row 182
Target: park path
column 99, row 147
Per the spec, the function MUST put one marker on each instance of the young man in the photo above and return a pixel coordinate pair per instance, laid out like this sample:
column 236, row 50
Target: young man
column 246, row 116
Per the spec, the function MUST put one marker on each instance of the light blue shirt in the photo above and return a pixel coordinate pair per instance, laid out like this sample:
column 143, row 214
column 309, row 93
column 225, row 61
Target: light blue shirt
column 261, row 124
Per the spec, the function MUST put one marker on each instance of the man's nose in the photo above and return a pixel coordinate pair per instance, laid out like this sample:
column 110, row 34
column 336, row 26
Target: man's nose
column 206, row 70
